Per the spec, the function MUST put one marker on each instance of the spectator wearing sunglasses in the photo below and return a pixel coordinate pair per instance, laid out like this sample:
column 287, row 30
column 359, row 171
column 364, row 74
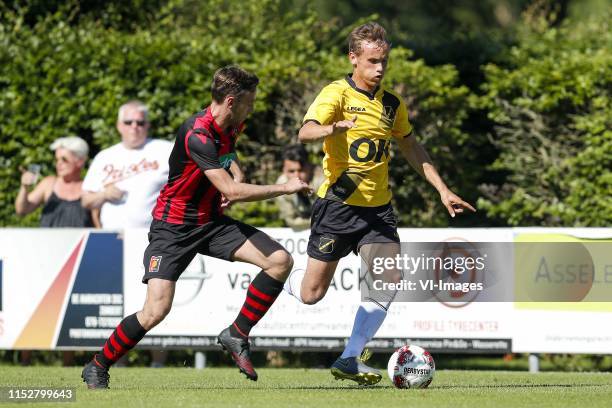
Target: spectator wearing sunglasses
column 59, row 194
column 124, row 180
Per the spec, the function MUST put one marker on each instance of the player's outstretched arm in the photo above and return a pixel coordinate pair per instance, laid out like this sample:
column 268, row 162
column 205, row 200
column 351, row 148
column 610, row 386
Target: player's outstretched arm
column 312, row 131
column 205, row 155
column 419, row 160
column 251, row 192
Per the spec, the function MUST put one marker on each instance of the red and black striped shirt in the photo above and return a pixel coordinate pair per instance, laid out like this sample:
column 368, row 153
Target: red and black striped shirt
column 189, row 197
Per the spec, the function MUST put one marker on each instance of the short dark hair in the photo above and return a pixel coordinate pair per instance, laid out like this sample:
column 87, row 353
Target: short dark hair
column 296, row 152
column 371, row 32
column 232, row 80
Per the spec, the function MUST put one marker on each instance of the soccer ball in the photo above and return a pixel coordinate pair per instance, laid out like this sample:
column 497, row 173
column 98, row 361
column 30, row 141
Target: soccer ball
column 411, row 367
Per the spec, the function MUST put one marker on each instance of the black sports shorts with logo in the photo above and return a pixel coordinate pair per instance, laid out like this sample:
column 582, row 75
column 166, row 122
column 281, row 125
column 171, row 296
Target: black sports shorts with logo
column 172, row 247
column 337, row 229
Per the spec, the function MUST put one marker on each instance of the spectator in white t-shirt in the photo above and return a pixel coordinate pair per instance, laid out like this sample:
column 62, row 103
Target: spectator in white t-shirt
column 124, row 180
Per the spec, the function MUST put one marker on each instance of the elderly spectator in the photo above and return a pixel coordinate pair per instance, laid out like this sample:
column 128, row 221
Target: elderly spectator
column 59, row 194
column 124, row 180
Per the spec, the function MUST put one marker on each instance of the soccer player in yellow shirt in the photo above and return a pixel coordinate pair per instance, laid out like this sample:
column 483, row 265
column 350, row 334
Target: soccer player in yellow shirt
column 356, row 118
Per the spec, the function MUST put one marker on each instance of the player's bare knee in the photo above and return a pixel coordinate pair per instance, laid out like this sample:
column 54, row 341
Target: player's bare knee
column 311, row 297
column 280, row 264
column 287, row 263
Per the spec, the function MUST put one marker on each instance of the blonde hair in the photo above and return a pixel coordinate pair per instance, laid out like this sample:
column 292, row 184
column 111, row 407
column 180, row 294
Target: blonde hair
column 371, row 32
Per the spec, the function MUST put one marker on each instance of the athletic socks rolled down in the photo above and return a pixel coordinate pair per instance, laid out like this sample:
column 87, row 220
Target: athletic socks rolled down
column 261, row 294
column 127, row 334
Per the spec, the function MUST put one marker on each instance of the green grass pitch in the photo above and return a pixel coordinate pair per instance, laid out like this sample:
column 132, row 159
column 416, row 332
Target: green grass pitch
column 225, row 387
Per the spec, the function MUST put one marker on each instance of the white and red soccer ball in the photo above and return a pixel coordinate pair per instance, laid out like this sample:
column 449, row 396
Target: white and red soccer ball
column 411, row 367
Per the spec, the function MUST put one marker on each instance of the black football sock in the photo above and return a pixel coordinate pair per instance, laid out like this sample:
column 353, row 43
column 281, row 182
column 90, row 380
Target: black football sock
column 126, row 335
column 261, row 294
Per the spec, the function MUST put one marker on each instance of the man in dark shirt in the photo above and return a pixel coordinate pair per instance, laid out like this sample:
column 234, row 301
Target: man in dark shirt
column 188, row 218
column 295, row 210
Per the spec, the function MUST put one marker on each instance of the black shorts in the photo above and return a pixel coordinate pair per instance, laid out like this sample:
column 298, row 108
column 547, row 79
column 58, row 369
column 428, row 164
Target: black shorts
column 337, row 228
column 172, row 247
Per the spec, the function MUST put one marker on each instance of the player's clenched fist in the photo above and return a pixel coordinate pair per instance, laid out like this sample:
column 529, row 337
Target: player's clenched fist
column 295, row 184
column 344, row 125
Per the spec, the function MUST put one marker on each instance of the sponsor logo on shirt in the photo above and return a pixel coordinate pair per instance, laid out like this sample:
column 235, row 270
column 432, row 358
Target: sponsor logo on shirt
column 389, row 112
column 356, row 109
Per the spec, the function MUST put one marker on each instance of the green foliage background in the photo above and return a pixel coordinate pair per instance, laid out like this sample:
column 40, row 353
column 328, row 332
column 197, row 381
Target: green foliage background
column 553, row 127
column 527, row 136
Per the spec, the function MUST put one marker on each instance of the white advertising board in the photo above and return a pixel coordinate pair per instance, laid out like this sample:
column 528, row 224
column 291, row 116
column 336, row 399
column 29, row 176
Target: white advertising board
column 69, row 288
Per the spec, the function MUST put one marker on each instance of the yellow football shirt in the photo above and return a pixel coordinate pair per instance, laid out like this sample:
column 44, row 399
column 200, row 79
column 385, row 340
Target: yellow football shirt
column 356, row 162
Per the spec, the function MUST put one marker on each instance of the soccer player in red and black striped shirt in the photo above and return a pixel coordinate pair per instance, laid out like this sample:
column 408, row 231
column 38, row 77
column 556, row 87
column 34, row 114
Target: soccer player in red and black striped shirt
column 188, row 219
